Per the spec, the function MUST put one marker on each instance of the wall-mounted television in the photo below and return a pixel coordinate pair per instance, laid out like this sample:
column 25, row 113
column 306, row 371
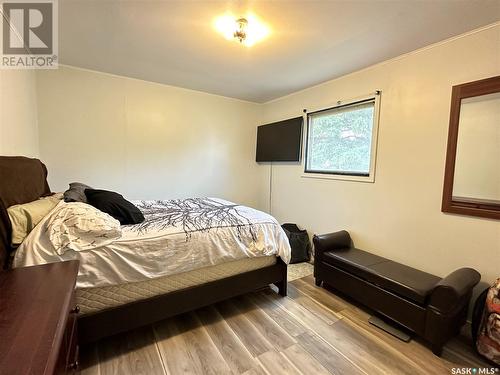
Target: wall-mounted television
column 279, row 141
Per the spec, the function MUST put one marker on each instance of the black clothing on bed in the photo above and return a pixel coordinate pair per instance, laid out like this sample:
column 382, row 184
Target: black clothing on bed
column 115, row 205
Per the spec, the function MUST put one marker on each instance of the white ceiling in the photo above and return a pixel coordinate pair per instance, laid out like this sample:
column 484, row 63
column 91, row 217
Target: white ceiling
column 173, row 42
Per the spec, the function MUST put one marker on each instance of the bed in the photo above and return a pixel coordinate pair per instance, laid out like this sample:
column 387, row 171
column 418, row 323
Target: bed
column 187, row 263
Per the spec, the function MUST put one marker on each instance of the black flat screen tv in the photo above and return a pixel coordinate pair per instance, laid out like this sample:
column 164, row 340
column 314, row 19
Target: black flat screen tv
column 279, row 141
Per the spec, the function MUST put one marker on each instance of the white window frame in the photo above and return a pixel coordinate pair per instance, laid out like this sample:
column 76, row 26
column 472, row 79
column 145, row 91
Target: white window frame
column 373, row 152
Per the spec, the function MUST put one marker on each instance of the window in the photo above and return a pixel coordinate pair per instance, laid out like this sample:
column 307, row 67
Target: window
column 341, row 141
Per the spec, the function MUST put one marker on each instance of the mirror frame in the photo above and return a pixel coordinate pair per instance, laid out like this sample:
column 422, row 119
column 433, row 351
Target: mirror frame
column 469, row 207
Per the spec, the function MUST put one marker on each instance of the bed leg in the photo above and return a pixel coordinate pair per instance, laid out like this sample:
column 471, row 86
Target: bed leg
column 282, row 285
column 282, row 288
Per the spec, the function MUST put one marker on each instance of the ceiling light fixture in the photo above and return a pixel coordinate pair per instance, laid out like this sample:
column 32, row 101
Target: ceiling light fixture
column 246, row 30
column 241, row 31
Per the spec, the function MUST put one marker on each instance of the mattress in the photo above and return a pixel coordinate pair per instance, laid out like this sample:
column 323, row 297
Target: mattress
column 92, row 300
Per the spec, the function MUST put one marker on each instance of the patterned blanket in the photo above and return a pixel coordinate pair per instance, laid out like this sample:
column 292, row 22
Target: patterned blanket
column 193, row 215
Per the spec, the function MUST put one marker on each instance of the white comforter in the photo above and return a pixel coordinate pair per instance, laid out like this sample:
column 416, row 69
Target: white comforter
column 177, row 236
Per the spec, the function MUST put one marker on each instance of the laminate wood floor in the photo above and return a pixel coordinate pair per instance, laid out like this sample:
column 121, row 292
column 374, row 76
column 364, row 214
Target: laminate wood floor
column 312, row 331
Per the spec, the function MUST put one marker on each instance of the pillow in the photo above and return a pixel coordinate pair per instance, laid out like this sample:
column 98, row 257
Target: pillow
column 76, row 192
column 79, row 226
column 24, row 217
column 115, row 205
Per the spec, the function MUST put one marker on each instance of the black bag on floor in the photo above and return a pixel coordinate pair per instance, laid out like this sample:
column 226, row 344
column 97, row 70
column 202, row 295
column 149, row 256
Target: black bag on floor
column 299, row 242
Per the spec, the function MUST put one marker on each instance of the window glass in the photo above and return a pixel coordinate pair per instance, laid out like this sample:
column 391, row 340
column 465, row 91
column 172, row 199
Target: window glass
column 339, row 140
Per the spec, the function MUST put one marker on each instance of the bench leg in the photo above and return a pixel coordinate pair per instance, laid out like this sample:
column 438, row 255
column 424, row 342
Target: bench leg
column 437, row 349
column 318, row 281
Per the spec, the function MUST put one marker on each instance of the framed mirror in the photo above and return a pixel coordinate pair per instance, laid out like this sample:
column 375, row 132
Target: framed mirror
column 472, row 173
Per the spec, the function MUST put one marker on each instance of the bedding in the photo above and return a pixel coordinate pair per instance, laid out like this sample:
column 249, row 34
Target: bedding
column 115, row 205
column 176, row 236
column 76, row 192
column 79, row 227
column 24, row 217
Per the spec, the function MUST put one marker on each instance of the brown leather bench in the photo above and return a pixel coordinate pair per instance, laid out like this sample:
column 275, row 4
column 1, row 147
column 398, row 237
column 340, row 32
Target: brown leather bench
column 434, row 308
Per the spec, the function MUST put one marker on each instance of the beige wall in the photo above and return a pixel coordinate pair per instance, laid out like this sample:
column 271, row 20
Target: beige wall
column 146, row 140
column 399, row 216
column 18, row 113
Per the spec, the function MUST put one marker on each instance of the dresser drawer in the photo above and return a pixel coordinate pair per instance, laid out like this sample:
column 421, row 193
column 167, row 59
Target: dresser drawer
column 38, row 329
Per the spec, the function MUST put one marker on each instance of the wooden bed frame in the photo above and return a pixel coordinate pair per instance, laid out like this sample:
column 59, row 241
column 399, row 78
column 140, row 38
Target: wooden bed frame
column 23, row 180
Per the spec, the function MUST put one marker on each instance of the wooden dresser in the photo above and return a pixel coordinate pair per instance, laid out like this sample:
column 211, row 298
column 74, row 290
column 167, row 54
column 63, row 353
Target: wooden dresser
column 38, row 330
